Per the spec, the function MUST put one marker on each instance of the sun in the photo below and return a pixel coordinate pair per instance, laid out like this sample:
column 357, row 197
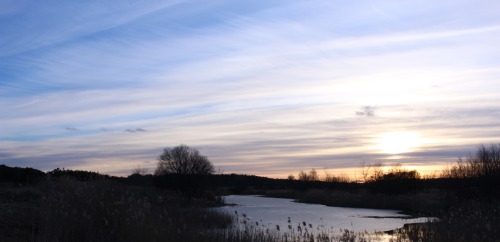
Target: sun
column 397, row 142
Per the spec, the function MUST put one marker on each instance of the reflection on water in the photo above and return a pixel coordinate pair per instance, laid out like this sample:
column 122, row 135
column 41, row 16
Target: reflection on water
column 288, row 215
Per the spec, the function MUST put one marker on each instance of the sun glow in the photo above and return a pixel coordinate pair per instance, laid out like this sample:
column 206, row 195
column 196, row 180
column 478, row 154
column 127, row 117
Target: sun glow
column 398, row 142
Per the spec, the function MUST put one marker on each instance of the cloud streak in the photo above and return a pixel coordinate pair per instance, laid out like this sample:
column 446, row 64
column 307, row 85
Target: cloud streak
column 135, row 130
column 264, row 89
column 366, row 111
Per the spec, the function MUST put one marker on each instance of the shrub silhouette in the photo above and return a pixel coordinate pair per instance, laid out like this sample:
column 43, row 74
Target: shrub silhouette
column 312, row 175
column 183, row 160
column 485, row 163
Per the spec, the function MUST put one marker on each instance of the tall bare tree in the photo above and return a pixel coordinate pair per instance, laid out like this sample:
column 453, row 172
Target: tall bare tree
column 183, row 160
column 365, row 172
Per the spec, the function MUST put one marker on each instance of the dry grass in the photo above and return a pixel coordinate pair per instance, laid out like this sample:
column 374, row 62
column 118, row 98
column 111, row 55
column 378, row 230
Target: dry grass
column 103, row 210
column 68, row 210
column 466, row 221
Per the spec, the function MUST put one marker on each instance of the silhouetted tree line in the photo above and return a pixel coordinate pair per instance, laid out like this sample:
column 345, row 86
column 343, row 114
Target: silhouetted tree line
column 238, row 183
column 184, row 169
column 19, row 175
column 396, row 180
column 78, row 175
column 138, row 179
column 476, row 175
column 401, row 181
column 30, row 176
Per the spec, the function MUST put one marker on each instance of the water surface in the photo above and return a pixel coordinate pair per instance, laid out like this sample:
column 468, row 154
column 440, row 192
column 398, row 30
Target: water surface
column 288, row 215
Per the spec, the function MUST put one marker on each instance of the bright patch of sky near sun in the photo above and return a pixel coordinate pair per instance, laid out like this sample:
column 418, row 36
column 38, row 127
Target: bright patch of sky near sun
column 260, row 87
column 398, row 142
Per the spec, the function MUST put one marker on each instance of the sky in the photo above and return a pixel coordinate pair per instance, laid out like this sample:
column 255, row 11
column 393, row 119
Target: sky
column 259, row 87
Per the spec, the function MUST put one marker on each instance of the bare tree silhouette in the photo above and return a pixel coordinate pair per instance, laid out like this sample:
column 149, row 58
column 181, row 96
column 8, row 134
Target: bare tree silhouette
column 183, row 160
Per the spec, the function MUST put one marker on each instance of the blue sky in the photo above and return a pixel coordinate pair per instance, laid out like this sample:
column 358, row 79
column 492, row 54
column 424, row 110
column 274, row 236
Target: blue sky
column 260, row 87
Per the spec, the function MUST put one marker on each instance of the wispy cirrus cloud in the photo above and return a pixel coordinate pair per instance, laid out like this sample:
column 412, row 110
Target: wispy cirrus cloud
column 263, row 88
column 28, row 33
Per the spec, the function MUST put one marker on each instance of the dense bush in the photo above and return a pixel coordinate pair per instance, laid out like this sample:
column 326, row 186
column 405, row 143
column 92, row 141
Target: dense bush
column 184, row 160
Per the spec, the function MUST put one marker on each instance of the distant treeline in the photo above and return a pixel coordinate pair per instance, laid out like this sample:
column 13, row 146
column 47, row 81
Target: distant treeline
column 478, row 173
column 247, row 184
column 20, row 175
column 29, row 176
column 234, row 183
column 251, row 184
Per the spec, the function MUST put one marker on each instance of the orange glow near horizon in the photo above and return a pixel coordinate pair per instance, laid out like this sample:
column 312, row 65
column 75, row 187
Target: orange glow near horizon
column 354, row 173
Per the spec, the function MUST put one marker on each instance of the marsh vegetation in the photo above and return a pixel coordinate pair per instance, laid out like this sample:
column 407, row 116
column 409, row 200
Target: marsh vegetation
column 69, row 205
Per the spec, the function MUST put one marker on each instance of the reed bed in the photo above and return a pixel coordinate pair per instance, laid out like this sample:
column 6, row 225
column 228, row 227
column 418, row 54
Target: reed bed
column 65, row 209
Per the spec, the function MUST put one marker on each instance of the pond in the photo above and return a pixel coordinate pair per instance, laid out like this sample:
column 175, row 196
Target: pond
column 288, row 215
